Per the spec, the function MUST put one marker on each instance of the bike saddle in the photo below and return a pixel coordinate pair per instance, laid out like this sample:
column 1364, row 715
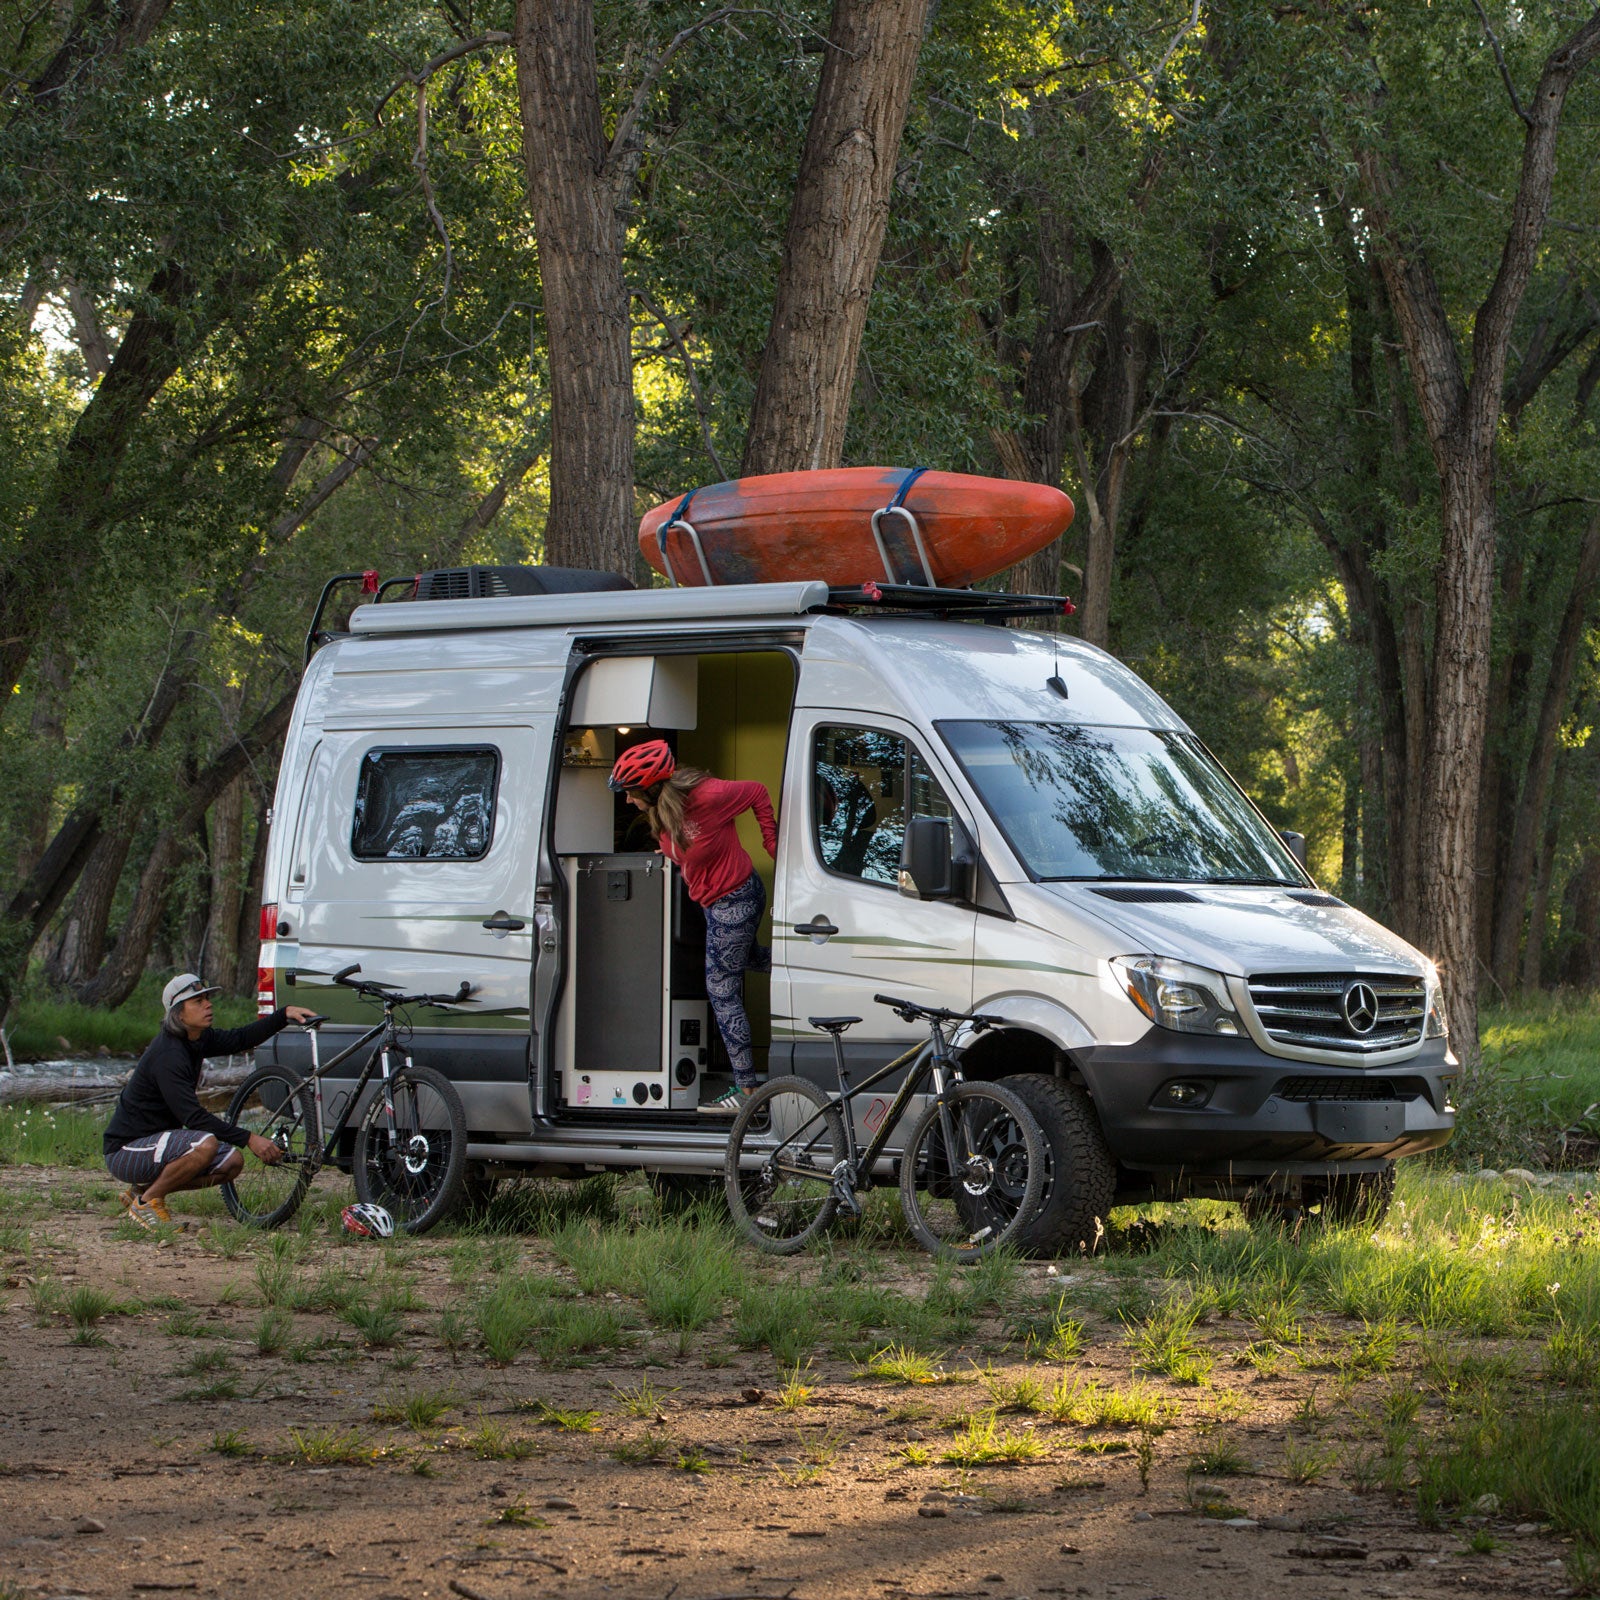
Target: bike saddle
column 313, row 1022
column 833, row 1025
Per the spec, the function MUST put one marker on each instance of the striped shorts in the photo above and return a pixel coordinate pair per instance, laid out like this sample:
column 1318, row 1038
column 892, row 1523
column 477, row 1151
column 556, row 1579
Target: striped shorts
column 141, row 1161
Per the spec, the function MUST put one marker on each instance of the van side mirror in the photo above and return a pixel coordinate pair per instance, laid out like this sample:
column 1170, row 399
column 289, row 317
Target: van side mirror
column 1297, row 845
column 936, row 859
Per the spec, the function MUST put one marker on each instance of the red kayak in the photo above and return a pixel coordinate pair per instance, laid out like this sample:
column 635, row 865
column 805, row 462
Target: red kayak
column 851, row 525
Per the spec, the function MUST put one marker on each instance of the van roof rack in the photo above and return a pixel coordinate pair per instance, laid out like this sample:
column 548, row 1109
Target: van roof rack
column 914, row 597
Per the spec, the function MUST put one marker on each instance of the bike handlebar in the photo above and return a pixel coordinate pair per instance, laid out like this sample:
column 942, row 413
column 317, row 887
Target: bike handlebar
column 910, row 1011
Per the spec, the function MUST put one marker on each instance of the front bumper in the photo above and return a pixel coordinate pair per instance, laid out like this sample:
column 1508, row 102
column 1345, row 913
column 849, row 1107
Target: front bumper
column 1264, row 1113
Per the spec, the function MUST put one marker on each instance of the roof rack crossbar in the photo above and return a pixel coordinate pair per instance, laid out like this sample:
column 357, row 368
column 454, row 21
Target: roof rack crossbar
column 946, row 602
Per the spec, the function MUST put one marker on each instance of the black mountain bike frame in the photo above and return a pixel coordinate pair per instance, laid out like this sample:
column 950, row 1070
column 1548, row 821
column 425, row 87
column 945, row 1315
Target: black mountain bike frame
column 930, row 1058
column 389, row 1034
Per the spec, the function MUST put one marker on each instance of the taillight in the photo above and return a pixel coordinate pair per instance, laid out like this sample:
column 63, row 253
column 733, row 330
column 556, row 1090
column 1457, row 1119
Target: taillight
column 267, row 974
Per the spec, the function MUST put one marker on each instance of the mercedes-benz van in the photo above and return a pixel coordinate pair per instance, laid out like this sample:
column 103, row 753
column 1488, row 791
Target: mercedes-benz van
column 970, row 814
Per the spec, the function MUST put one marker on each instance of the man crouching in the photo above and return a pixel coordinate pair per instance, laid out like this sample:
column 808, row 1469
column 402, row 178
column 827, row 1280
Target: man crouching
column 160, row 1138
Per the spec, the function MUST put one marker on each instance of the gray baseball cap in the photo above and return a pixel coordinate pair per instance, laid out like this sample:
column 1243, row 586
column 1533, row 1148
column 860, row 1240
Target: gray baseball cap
column 186, row 986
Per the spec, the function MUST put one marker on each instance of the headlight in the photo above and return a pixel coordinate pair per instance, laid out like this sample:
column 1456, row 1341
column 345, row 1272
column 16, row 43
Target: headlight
column 1177, row 996
column 1437, row 1025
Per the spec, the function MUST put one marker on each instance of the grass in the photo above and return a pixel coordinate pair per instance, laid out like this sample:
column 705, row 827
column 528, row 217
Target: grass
column 795, row 1394
column 896, row 1364
column 330, row 1447
column 493, row 1441
column 1164, row 1342
column 52, row 1136
column 86, row 1306
column 418, row 1410
column 39, row 1022
column 568, row 1421
column 983, row 1442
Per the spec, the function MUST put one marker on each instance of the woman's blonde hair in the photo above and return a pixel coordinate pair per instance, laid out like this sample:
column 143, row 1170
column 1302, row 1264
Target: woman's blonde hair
column 667, row 812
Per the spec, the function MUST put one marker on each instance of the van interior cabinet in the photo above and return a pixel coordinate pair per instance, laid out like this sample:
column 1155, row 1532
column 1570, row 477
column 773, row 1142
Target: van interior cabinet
column 635, row 1024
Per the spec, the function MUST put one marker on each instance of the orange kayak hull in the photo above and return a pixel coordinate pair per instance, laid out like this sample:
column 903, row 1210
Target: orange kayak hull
column 801, row 526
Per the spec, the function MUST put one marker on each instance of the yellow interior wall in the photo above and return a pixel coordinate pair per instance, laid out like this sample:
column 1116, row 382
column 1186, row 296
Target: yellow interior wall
column 743, row 733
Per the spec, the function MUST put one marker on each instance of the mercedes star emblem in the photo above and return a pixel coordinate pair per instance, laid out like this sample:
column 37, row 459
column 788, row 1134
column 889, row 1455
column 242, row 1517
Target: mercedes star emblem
column 1361, row 1008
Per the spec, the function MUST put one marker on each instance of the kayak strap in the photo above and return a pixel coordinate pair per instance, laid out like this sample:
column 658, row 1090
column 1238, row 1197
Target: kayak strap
column 679, row 521
column 898, row 508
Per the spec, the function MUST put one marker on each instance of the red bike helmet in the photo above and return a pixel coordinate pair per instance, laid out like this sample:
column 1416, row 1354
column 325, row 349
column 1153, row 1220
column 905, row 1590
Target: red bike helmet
column 643, row 766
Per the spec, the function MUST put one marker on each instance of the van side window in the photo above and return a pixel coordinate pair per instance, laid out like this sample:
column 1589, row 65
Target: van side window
column 432, row 804
column 863, row 781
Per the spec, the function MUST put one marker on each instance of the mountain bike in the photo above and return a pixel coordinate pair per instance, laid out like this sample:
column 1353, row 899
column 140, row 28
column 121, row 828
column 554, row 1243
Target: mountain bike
column 410, row 1141
column 971, row 1172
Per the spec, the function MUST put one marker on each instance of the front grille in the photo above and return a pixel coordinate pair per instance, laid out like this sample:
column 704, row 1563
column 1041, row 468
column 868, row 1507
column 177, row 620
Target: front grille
column 1308, row 1010
column 1351, row 1088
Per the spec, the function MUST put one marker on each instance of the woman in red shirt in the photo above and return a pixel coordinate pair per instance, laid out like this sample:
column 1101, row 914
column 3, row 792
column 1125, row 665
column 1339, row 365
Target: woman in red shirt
column 692, row 815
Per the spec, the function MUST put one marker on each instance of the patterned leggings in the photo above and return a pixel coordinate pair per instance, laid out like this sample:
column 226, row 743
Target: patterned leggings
column 731, row 951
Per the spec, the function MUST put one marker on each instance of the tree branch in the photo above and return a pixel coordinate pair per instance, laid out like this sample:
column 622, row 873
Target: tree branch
column 1500, row 61
column 694, row 381
column 647, row 84
column 464, row 47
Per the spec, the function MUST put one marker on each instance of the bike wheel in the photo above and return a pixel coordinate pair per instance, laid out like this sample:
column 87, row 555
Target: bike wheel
column 276, row 1104
column 968, row 1201
column 414, row 1166
column 784, row 1145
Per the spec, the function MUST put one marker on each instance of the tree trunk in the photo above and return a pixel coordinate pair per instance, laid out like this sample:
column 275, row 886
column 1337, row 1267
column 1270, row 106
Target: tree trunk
column 248, row 937
column 1518, row 872
column 63, row 531
column 837, row 222
column 118, row 976
column 221, row 941
column 1580, row 921
column 81, row 945
column 1539, row 903
column 1461, row 418
column 574, row 197
column 47, row 729
column 1453, row 761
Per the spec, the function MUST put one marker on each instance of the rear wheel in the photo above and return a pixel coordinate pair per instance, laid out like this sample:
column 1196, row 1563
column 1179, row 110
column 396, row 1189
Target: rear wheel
column 413, row 1166
column 1080, row 1171
column 275, row 1104
column 972, row 1172
column 783, row 1147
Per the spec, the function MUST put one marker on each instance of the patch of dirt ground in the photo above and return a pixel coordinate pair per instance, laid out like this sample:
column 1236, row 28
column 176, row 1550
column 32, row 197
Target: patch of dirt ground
column 112, row 1482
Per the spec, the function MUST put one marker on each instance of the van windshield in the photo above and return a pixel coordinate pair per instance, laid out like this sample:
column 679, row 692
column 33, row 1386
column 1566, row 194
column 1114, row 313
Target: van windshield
column 1124, row 803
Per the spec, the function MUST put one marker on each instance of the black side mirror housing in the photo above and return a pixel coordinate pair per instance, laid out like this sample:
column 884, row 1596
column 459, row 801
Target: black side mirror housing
column 1297, row 845
column 936, row 860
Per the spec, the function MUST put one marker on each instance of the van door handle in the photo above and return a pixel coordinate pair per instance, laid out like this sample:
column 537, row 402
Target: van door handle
column 817, row 929
column 504, row 922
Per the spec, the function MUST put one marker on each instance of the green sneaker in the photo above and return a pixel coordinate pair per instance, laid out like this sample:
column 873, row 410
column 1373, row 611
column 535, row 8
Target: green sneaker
column 726, row 1105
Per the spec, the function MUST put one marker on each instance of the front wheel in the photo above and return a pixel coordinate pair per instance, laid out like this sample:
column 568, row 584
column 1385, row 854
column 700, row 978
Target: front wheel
column 414, row 1164
column 783, row 1147
column 972, row 1172
column 274, row 1103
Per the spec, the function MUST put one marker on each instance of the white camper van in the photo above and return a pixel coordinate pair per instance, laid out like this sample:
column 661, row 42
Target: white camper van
column 970, row 815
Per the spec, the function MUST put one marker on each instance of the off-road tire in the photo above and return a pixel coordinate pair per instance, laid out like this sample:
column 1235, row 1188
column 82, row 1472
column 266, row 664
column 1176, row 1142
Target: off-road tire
column 1071, row 1219
column 277, row 1104
column 419, row 1198
column 779, row 1223
column 967, row 1229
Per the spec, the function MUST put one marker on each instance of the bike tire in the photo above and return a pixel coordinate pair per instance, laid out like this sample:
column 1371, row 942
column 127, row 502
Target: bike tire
column 788, row 1120
column 276, row 1104
column 418, row 1176
column 969, row 1208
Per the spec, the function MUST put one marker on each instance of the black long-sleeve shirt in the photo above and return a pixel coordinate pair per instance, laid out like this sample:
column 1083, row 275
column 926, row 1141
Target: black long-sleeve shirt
column 161, row 1093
